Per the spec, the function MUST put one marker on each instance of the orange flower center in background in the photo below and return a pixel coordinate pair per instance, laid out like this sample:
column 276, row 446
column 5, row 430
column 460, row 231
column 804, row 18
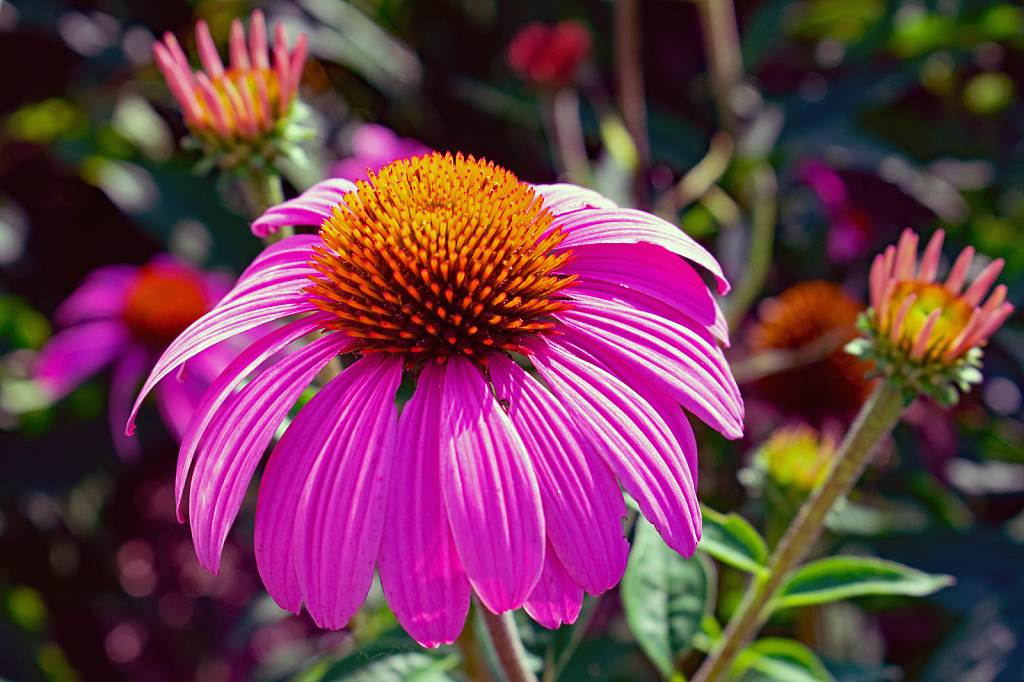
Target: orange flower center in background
column 440, row 256
column 161, row 303
column 954, row 317
column 800, row 316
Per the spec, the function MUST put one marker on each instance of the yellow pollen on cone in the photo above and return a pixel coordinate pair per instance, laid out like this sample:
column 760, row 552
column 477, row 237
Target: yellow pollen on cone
column 953, row 318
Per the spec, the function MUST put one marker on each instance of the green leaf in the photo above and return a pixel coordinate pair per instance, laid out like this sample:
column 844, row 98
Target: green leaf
column 781, row 660
column 408, row 667
column 732, row 540
column 665, row 596
column 842, row 577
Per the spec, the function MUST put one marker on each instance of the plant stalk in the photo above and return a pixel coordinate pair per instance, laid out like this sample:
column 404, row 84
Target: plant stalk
column 263, row 189
column 876, row 420
column 511, row 653
column 721, row 37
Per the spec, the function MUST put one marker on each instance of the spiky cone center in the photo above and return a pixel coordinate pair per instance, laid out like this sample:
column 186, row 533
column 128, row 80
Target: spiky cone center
column 440, row 256
column 920, row 301
column 161, row 303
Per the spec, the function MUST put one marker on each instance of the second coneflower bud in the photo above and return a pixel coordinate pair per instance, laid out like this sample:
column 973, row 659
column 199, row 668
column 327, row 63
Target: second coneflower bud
column 925, row 336
column 244, row 115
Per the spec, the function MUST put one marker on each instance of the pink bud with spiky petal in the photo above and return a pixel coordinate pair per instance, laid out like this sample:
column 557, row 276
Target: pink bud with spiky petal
column 245, row 101
column 929, row 321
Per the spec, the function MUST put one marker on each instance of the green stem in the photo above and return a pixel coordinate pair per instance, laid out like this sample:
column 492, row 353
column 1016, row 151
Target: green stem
column 725, row 60
column 763, row 217
column 511, row 653
column 876, row 420
column 263, row 190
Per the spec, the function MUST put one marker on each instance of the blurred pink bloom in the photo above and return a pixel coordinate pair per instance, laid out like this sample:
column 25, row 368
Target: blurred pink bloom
column 373, row 147
column 124, row 316
column 490, row 480
column 851, row 228
column 547, row 55
column 245, row 100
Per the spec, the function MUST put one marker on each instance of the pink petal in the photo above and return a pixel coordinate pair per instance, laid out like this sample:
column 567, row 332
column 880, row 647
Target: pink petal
column 420, row 569
column 677, row 359
column 208, row 51
column 237, row 47
column 323, row 497
column 101, row 295
column 258, row 40
column 75, row 354
column 629, row 226
column 125, row 378
column 556, row 599
column 632, row 436
column 311, row 207
column 583, row 507
column 233, row 314
column 234, row 443
column 564, row 198
column 281, row 265
column 223, row 387
column 490, row 491
column 655, row 272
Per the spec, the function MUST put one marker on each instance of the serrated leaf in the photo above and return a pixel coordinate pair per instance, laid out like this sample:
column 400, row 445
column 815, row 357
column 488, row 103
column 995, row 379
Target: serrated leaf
column 731, row 539
column 842, row 577
column 665, row 596
column 781, row 660
column 407, row 667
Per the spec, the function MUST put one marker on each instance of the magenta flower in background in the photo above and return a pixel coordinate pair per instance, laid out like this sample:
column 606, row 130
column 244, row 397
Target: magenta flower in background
column 851, row 228
column 373, row 147
column 452, row 271
column 124, row 316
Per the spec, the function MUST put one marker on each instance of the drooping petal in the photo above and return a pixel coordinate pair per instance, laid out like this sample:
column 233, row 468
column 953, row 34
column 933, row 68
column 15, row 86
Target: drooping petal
column 490, row 491
column 128, row 372
column 240, row 432
column 556, row 599
column 323, row 496
column 101, row 295
column 630, row 226
column 284, row 265
column 583, row 507
column 75, row 354
column 311, row 207
column 563, row 198
column 632, row 437
column 653, row 271
column 420, row 569
column 686, row 364
column 223, row 387
column 239, row 314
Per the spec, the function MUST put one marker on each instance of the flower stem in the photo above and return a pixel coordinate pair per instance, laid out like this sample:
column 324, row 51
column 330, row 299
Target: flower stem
column 876, row 420
column 725, row 60
column 263, row 190
column 511, row 653
column 763, row 187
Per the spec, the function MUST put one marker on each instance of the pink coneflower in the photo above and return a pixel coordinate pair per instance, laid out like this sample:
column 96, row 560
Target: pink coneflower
column 454, row 272
column 549, row 55
column 373, row 147
column 125, row 316
column 245, row 101
column 925, row 335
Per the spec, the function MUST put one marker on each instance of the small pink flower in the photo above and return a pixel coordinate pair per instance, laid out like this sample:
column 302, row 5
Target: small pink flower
column 927, row 321
column 547, row 55
column 373, row 147
column 452, row 272
column 244, row 101
column 124, row 316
